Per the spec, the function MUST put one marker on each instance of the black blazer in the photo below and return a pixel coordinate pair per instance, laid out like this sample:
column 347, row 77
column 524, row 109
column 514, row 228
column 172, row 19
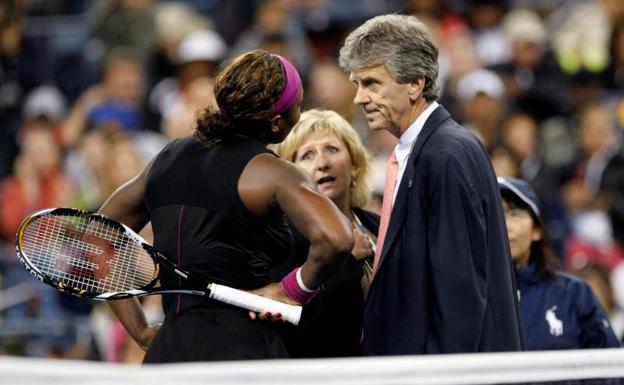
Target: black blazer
column 445, row 280
column 331, row 324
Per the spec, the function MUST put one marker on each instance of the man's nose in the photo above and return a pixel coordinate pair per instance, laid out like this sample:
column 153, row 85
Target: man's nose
column 361, row 97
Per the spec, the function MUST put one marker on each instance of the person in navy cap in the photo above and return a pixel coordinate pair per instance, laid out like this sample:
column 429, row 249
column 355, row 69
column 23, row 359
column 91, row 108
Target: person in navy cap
column 557, row 310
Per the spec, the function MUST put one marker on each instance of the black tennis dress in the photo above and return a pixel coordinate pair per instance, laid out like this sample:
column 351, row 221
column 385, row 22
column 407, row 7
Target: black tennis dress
column 201, row 224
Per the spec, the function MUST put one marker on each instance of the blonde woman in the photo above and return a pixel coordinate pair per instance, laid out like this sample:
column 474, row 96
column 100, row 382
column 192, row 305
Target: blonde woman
column 327, row 147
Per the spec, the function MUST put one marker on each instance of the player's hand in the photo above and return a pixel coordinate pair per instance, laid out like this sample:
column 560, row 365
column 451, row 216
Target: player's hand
column 275, row 292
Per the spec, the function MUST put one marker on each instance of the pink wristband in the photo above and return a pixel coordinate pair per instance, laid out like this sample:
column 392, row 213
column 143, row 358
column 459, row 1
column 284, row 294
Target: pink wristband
column 294, row 290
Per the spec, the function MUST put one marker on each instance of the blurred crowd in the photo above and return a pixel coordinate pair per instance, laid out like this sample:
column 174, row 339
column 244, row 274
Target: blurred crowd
column 90, row 91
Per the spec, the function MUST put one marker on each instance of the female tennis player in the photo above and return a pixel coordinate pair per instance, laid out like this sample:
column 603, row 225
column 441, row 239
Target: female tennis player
column 218, row 202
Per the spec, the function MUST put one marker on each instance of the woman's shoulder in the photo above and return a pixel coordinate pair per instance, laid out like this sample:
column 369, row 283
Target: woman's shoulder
column 574, row 285
column 568, row 279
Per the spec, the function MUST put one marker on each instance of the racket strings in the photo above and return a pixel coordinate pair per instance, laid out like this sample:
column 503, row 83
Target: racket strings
column 87, row 254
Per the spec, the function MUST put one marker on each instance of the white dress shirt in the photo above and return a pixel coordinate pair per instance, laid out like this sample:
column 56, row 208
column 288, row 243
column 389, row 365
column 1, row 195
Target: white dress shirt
column 406, row 142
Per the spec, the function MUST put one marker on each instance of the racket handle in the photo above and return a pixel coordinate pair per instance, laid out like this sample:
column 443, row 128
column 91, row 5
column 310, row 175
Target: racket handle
column 254, row 302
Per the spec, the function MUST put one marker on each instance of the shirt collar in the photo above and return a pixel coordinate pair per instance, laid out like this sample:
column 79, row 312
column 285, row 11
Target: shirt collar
column 407, row 140
column 526, row 275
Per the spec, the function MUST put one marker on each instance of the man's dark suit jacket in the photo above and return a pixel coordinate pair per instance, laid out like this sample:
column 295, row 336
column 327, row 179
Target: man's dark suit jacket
column 445, row 280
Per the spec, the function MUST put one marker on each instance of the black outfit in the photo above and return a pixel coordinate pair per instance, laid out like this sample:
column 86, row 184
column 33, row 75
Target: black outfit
column 331, row 324
column 200, row 223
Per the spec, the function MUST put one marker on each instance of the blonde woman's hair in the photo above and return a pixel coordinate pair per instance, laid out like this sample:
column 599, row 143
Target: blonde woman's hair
column 329, row 122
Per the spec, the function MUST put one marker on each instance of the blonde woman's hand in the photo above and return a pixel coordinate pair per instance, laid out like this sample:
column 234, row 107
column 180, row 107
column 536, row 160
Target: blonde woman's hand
column 363, row 245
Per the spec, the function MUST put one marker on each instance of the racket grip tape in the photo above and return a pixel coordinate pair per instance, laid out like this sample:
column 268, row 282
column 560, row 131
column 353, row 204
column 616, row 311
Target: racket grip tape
column 246, row 300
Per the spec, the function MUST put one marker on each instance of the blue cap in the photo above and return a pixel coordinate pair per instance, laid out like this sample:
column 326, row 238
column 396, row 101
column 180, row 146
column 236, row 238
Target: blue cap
column 110, row 112
column 522, row 190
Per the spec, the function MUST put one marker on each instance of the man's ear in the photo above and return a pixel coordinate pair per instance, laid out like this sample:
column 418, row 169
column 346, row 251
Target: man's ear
column 415, row 88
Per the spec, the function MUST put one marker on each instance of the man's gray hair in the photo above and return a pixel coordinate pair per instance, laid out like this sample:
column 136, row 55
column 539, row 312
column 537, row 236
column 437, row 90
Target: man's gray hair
column 400, row 42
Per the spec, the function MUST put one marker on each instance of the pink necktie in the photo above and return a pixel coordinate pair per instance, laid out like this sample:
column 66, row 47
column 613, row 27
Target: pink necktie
column 392, row 171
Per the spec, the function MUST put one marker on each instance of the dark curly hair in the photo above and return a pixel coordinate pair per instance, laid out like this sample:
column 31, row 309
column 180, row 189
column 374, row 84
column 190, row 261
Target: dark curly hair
column 245, row 91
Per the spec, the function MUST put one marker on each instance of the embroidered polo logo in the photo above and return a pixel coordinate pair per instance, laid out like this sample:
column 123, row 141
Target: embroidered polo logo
column 555, row 324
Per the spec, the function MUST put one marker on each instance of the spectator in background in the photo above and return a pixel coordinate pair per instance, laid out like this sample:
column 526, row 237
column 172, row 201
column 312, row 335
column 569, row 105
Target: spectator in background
column 278, row 18
column 481, row 97
column 120, row 92
column 587, row 48
column 124, row 162
column 180, row 118
column 531, row 75
column 592, row 235
column 199, row 54
column 520, row 133
column 118, row 102
column 173, row 22
column 128, row 24
column 45, row 106
column 457, row 57
column 24, row 65
column 504, row 160
column 558, row 311
column 491, row 43
column 330, row 88
column 86, row 165
column 38, row 180
column 177, row 99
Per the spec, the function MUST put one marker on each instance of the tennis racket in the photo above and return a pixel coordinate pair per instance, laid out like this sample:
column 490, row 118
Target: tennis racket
column 92, row 256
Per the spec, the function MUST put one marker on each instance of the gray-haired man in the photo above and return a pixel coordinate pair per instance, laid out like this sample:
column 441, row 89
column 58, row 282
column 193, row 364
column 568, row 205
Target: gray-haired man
column 443, row 281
